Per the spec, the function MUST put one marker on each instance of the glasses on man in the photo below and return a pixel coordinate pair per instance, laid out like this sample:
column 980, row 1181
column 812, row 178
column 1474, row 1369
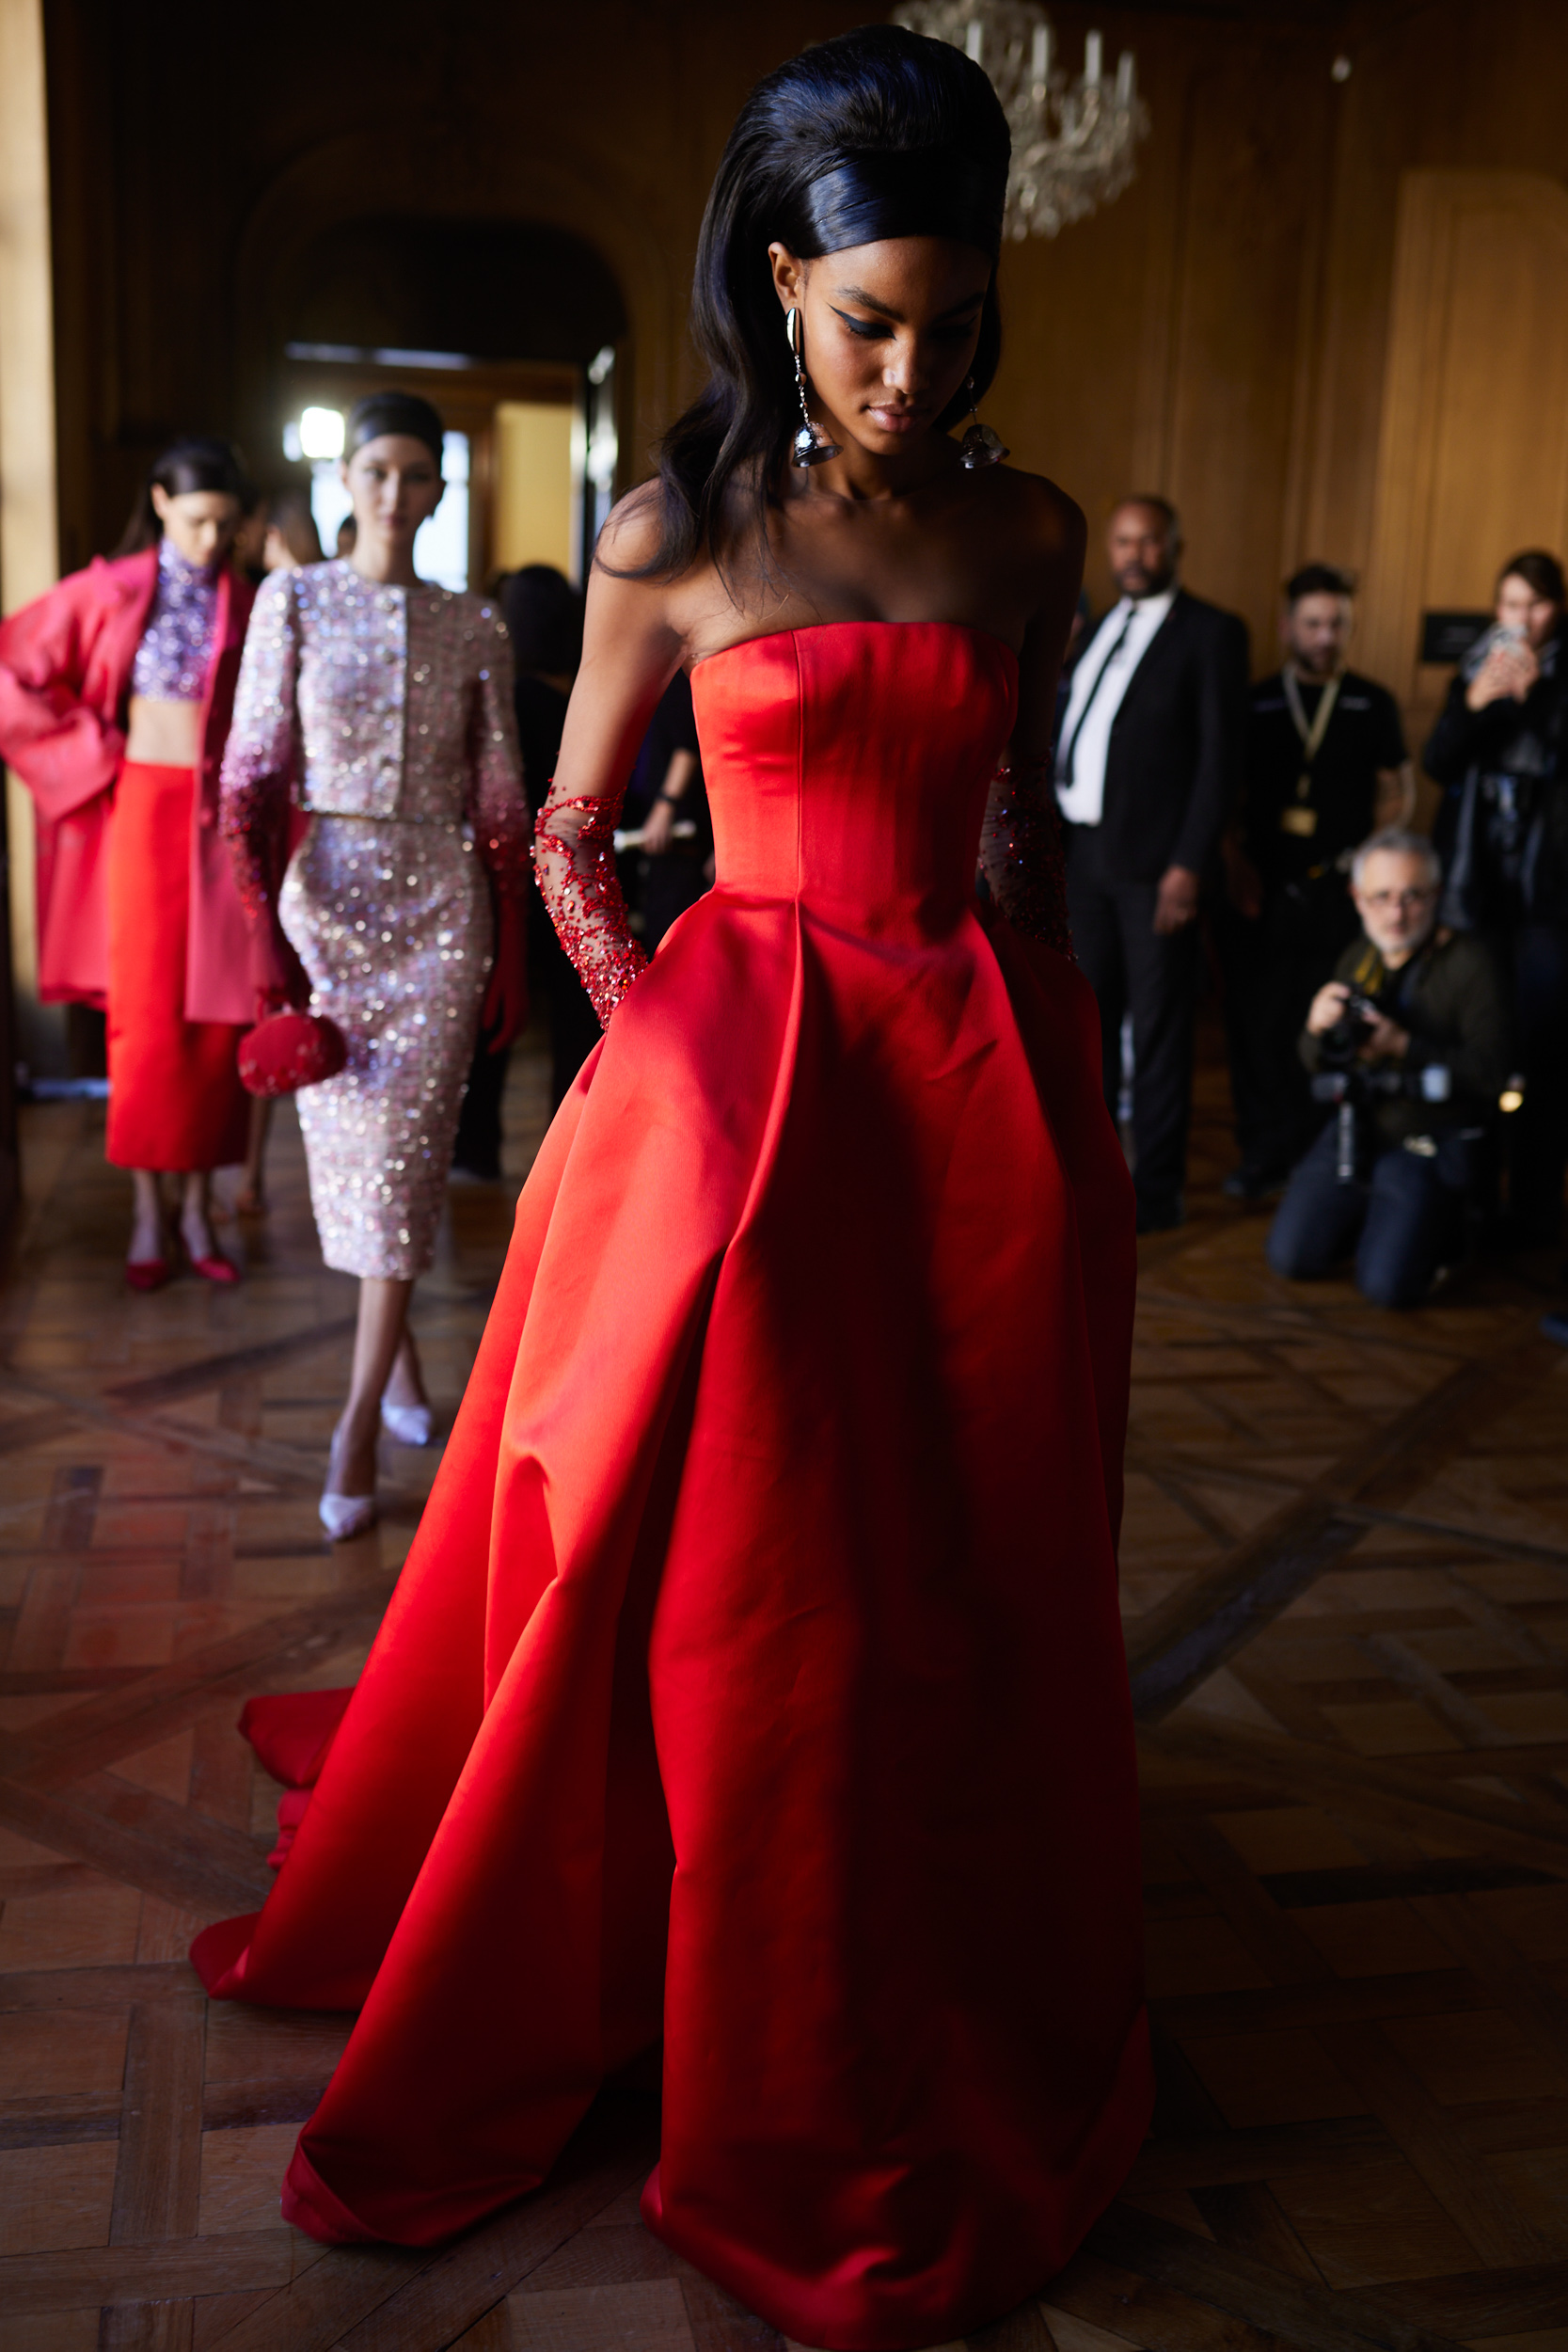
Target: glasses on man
column 1383, row 899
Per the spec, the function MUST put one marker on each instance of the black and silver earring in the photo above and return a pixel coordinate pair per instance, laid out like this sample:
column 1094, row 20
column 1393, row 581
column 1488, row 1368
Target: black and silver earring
column 980, row 446
column 811, row 445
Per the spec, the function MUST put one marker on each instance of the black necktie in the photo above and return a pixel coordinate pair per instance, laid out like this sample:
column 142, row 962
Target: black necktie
column 1089, row 699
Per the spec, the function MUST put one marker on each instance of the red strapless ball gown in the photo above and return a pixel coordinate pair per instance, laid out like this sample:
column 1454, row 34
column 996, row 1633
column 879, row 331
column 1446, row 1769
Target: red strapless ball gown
column 755, row 1679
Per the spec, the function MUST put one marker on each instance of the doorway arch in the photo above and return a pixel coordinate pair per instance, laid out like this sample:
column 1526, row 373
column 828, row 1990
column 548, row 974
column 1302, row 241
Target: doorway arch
column 495, row 290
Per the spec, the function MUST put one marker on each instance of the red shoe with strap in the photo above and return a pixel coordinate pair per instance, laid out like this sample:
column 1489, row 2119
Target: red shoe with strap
column 215, row 1269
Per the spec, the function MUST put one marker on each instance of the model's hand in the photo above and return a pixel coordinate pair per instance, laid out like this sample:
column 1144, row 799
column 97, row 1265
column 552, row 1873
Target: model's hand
column 657, row 827
column 289, row 987
column 1384, row 1042
column 1327, row 1008
column 505, row 1014
column 1177, row 903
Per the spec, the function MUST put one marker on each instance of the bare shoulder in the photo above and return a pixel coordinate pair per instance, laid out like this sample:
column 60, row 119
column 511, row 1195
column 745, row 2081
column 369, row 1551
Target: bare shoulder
column 631, row 534
column 1048, row 521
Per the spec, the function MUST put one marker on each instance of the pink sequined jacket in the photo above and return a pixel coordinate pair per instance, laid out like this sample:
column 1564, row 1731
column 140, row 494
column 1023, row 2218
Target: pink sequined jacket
column 357, row 699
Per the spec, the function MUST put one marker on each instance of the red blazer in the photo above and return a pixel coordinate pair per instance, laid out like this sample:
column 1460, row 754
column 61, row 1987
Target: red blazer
column 65, row 677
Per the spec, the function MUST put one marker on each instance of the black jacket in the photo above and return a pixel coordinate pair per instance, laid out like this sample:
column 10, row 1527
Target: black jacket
column 1174, row 768
column 1502, row 830
column 1449, row 999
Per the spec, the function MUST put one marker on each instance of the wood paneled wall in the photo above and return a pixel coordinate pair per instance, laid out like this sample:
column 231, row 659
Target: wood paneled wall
column 1219, row 334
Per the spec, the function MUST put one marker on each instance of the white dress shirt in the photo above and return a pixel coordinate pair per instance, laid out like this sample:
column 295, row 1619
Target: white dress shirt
column 1099, row 684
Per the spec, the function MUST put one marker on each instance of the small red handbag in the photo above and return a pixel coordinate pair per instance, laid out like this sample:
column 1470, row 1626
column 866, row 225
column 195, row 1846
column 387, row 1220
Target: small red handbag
column 289, row 1050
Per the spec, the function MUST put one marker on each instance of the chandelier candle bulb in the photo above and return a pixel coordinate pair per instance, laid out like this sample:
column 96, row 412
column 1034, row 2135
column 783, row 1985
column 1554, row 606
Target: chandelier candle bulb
column 1075, row 136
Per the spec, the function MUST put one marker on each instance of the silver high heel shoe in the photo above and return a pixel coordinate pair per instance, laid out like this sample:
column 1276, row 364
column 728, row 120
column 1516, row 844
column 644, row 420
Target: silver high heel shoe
column 409, row 1424
column 344, row 1516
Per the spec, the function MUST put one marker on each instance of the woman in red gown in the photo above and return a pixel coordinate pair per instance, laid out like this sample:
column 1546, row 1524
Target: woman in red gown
column 755, row 1681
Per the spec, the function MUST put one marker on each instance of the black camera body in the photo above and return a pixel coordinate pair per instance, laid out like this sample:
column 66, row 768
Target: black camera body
column 1360, row 1016
column 1355, row 1090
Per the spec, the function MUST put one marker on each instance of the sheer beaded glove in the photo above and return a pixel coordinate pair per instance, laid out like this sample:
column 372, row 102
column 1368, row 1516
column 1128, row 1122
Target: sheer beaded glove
column 1022, row 856
column 574, row 856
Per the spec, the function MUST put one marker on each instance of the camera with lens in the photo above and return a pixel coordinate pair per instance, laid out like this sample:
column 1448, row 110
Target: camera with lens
column 1355, row 1090
column 1340, row 1046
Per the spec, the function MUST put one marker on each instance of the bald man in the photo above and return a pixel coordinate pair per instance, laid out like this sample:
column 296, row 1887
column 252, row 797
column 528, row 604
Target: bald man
column 1147, row 770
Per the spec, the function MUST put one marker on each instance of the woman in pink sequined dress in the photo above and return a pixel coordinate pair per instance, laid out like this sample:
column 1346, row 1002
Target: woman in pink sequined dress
column 378, row 708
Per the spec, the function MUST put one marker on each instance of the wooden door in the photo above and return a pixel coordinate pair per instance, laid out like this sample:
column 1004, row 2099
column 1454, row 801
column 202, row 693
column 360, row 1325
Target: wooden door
column 1473, row 456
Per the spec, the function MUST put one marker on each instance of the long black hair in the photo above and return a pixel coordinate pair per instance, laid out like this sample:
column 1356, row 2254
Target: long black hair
column 198, row 461
column 880, row 134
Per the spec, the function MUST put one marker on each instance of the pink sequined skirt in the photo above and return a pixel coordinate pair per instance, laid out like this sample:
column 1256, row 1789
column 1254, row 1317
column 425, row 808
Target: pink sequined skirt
column 392, row 920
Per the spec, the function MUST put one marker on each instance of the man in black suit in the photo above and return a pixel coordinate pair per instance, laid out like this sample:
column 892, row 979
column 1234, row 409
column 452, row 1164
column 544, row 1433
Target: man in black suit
column 1148, row 769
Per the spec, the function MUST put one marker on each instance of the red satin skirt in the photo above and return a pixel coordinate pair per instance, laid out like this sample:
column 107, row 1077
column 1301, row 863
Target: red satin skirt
column 755, row 1681
column 175, row 1097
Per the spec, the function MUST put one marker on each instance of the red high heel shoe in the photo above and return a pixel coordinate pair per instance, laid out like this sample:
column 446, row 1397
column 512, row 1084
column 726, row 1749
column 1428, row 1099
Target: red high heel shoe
column 211, row 1267
column 215, row 1269
column 148, row 1273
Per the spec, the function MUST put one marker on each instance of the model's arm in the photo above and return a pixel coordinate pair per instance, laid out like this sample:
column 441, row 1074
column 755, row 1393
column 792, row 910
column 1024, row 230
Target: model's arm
column 498, row 805
column 1021, row 855
column 497, row 801
column 258, row 769
column 64, row 752
column 631, row 649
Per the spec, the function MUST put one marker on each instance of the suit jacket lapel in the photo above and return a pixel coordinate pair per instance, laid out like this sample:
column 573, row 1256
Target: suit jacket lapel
column 1167, row 639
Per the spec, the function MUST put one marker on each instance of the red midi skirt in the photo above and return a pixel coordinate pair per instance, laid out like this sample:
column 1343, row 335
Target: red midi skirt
column 175, row 1097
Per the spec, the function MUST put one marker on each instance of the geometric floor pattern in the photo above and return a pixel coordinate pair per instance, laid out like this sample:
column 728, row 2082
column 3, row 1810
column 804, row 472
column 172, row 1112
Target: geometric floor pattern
column 1346, row 1587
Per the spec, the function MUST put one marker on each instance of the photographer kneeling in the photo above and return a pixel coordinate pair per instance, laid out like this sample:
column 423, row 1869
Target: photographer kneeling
column 1410, row 1038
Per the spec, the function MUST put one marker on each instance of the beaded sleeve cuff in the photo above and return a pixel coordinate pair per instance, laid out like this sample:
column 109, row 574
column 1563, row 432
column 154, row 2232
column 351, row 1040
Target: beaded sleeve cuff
column 573, row 857
column 1021, row 855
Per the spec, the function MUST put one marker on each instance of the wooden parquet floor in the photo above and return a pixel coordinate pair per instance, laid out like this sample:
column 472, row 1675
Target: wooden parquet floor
column 1347, row 1595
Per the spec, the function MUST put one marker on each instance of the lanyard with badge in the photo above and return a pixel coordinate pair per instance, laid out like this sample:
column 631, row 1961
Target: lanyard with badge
column 1299, row 818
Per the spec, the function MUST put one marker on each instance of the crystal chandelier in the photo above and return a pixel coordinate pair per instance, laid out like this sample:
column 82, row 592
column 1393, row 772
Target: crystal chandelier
column 1073, row 141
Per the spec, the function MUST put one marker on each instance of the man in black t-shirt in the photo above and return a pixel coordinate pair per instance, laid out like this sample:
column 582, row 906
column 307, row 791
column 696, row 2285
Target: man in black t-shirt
column 1326, row 766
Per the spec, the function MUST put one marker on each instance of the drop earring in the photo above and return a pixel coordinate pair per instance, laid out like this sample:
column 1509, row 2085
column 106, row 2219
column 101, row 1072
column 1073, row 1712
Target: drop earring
column 980, row 446
column 811, row 445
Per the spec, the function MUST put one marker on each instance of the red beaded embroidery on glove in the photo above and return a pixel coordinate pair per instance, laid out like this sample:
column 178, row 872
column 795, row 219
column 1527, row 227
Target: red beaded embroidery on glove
column 574, row 858
column 1021, row 855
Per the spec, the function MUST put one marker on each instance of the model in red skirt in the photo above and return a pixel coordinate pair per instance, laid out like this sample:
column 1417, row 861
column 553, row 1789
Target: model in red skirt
column 175, row 1098
column 116, row 692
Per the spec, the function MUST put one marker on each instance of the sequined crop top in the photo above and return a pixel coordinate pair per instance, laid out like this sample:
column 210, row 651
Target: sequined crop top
column 360, row 699
column 176, row 651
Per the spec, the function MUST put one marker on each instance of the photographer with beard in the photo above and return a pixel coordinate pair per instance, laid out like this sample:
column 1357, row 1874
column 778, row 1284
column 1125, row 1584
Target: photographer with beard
column 1411, row 1039
column 1501, row 750
column 1325, row 766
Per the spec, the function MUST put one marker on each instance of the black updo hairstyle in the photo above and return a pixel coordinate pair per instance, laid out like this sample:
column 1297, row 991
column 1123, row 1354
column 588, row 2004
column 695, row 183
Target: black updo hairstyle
column 395, row 412
column 880, row 134
column 198, row 461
